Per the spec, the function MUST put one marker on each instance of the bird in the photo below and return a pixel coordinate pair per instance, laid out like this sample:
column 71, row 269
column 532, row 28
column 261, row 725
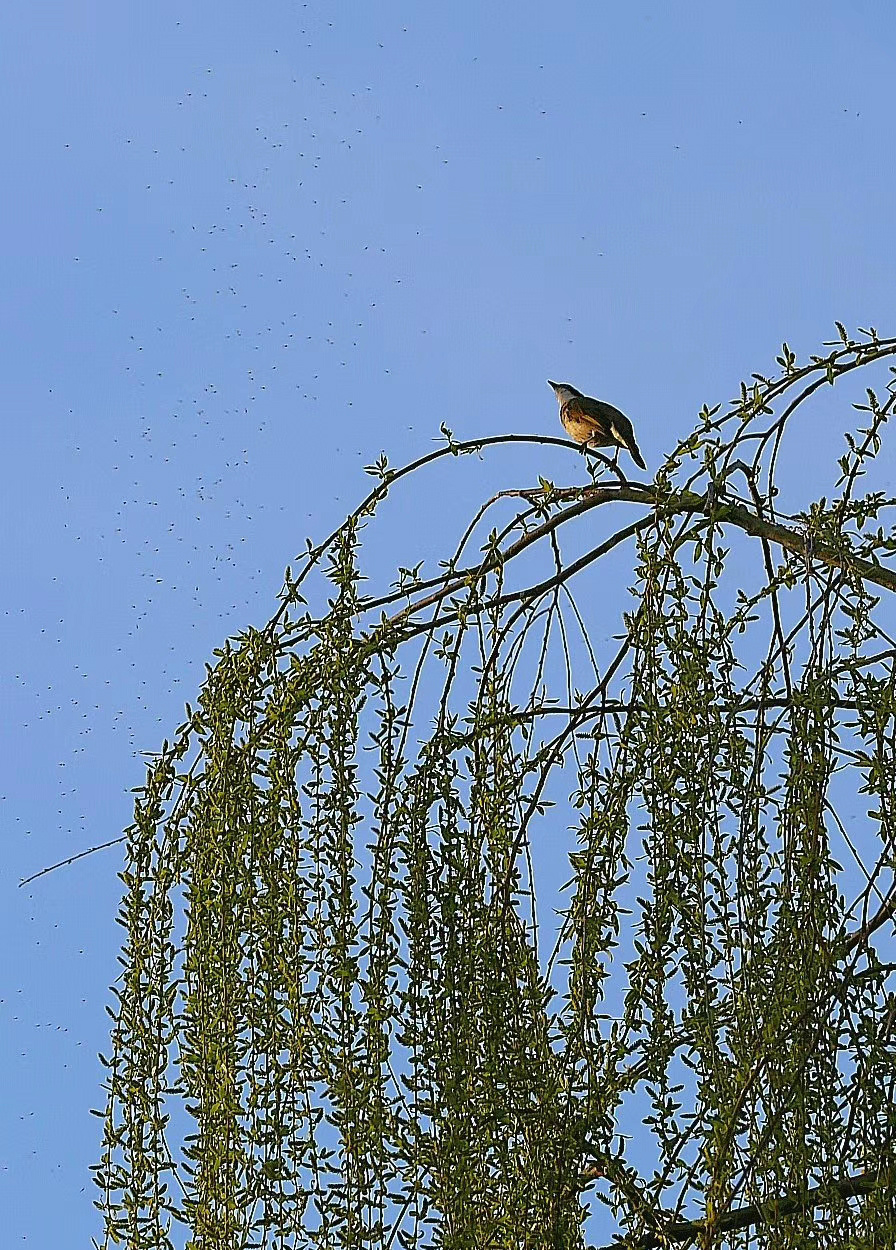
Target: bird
column 595, row 423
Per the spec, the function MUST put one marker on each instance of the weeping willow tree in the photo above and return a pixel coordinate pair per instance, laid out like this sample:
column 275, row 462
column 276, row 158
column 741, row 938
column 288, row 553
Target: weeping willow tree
column 545, row 900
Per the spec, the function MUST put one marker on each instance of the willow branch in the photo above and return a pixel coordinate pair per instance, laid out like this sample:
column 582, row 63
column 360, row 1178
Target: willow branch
column 745, row 1217
column 586, row 499
column 884, row 913
column 471, row 446
column 782, row 536
column 675, row 504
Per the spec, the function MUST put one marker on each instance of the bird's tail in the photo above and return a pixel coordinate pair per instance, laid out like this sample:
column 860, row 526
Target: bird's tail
column 635, row 452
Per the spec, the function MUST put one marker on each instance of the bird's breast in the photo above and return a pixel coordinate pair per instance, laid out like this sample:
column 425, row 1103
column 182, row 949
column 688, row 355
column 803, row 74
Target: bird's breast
column 584, row 429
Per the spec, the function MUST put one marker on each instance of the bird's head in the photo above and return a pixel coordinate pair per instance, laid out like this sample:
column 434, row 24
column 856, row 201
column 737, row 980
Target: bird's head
column 563, row 391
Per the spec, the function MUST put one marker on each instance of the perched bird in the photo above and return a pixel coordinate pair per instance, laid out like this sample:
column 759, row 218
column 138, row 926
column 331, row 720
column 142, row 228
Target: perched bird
column 594, row 423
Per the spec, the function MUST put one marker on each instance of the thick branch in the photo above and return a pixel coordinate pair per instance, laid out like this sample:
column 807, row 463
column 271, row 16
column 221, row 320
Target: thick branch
column 790, row 540
column 683, row 502
column 746, row 1217
column 747, row 520
column 884, row 913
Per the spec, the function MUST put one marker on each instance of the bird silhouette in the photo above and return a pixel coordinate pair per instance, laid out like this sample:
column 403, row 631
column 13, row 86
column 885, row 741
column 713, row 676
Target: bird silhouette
column 595, row 423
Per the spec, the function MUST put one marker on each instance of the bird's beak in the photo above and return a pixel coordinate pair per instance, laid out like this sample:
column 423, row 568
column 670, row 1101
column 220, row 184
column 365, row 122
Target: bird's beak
column 554, row 385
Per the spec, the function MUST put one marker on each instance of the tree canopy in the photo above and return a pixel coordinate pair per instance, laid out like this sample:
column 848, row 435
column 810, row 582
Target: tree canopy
column 544, row 899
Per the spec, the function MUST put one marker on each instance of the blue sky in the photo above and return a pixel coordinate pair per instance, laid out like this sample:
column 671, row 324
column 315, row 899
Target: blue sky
column 246, row 250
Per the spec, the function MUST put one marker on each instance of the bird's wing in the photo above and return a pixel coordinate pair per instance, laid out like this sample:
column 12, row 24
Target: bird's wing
column 624, row 434
column 615, row 422
column 614, row 425
column 593, row 410
column 622, row 429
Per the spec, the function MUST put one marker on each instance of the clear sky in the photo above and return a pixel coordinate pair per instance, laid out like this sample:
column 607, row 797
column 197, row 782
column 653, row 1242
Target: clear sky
column 247, row 248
